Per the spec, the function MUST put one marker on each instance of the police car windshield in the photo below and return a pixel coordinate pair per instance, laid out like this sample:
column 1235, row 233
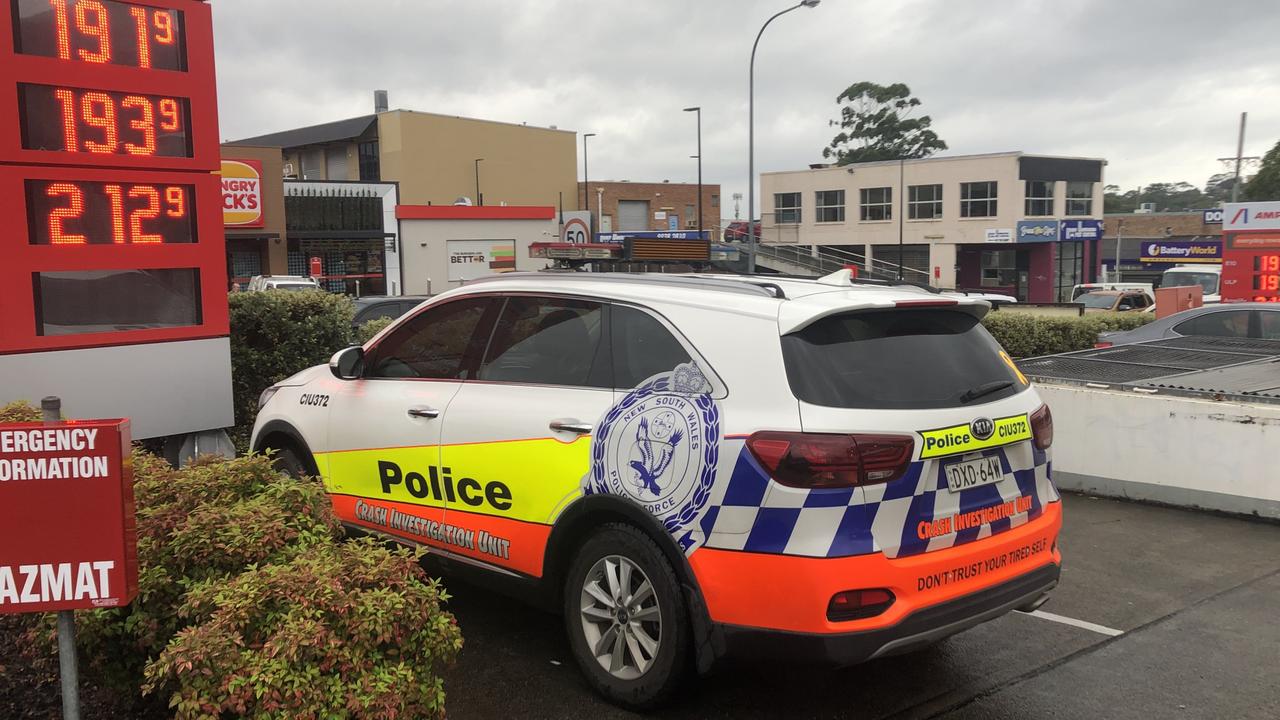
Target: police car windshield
column 901, row 359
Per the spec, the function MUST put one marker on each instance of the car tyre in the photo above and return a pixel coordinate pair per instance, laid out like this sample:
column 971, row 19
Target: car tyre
column 626, row 618
column 289, row 461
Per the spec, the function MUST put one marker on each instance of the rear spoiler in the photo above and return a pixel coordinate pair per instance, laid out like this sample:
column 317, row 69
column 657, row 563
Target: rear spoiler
column 802, row 312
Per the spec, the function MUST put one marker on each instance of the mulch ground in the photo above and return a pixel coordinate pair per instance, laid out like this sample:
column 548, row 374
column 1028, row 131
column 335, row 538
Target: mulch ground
column 29, row 684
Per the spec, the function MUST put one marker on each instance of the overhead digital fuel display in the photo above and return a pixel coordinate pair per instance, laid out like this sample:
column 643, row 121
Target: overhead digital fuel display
column 102, row 32
column 102, row 122
column 70, row 213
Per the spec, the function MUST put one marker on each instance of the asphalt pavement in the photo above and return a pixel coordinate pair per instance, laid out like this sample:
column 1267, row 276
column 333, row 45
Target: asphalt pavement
column 1160, row 612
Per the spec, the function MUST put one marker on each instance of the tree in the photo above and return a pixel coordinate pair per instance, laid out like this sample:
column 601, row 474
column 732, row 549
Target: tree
column 1218, row 187
column 1165, row 196
column 1266, row 184
column 875, row 124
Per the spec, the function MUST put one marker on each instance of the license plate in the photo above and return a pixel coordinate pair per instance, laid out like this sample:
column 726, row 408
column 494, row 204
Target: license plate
column 973, row 473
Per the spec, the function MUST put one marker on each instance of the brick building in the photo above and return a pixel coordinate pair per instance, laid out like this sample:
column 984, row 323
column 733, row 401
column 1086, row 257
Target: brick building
column 620, row 206
column 1152, row 242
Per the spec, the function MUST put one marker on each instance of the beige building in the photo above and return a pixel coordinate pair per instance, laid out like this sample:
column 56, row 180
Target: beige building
column 433, row 157
column 1008, row 222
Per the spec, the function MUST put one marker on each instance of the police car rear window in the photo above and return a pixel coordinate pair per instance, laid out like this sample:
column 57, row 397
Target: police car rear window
column 900, row 359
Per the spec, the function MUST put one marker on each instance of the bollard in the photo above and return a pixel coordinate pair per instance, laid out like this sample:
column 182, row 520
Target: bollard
column 68, row 662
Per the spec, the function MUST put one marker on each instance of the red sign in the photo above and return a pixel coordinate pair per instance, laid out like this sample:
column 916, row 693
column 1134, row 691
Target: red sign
column 1251, row 267
column 67, row 535
column 317, row 267
column 108, row 185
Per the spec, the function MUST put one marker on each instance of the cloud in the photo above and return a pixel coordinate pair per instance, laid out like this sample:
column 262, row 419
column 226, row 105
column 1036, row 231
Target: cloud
column 1155, row 87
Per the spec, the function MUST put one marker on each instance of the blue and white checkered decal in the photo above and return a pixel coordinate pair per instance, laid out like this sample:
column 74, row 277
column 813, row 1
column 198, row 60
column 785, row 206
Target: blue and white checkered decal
column 751, row 513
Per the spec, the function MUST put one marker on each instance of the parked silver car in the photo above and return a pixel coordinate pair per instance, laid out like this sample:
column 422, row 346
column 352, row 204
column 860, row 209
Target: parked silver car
column 1239, row 320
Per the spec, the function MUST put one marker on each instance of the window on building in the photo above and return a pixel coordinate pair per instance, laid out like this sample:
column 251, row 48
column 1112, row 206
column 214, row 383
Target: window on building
column 829, row 205
column 1039, row 198
column 715, row 201
column 786, row 208
column 978, row 199
column 370, row 165
column 1070, row 262
column 690, row 216
column 876, row 203
column 924, row 202
column 999, row 268
column 313, row 164
column 1079, row 198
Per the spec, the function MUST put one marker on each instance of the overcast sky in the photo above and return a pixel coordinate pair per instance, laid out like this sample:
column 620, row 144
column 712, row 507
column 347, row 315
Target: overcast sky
column 1154, row 86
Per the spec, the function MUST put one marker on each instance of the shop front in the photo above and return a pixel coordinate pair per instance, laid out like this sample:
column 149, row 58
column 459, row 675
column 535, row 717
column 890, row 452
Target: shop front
column 344, row 235
column 1145, row 260
column 253, row 213
column 1038, row 261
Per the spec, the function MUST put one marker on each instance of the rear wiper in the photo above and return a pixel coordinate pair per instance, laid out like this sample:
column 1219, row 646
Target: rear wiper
column 985, row 389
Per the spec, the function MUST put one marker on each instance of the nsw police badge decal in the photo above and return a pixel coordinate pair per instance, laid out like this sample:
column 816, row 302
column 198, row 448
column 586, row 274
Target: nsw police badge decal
column 659, row 446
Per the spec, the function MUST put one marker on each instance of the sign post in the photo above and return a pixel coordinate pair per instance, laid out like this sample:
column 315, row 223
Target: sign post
column 78, row 470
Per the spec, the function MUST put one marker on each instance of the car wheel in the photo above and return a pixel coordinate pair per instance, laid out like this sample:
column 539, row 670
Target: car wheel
column 290, row 462
column 626, row 618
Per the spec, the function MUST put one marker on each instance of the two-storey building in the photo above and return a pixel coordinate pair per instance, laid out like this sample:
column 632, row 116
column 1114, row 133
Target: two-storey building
column 1025, row 225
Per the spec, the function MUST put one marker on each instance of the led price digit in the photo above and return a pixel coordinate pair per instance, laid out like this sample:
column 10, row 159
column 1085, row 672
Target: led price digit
column 101, row 31
column 103, row 123
column 109, row 213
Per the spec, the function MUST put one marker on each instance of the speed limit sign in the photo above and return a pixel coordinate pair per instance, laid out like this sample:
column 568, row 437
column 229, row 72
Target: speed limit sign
column 575, row 231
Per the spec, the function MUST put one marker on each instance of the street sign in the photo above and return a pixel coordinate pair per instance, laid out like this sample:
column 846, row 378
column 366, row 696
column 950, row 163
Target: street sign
column 575, row 231
column 67, row 533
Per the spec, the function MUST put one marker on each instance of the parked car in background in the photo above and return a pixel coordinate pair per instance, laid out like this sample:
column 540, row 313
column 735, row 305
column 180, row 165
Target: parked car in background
column 737, row 231
column 1208, row 277
column 1083, row 288
column 282, row 282
column 1115, row 301
column 373, row 307
column 1238, row 320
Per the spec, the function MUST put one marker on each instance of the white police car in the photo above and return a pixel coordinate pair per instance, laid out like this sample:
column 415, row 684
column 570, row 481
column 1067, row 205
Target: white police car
column 691, row 467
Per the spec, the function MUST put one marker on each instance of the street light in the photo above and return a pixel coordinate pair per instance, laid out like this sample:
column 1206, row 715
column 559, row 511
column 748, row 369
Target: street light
column 751, row 136
column 698, row 110
column 479, row 197
column 586, row 191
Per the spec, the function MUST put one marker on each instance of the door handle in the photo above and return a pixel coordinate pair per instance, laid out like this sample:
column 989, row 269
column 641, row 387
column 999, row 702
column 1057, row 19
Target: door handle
column 422, row 411
column 572, row 426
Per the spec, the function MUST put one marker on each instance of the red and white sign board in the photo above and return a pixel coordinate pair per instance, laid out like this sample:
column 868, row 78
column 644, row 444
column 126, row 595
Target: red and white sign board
column 242, row 193
column 68, row 540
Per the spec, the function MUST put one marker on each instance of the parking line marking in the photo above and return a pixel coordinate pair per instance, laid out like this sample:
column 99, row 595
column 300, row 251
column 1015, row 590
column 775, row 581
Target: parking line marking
column 1102, row 629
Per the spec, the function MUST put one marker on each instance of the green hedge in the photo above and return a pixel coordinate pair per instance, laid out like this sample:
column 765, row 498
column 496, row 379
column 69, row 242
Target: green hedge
column 250, row 604
column 276, row 334
column 1025, row 335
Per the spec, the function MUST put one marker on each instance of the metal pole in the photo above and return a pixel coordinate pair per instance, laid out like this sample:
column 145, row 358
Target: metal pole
column 1115, row 271
column 751, row 138
column 698, row 110
column 1235, row 186
column 68, row 663
column 479, row 197
column 902, row 189
column 586, row 189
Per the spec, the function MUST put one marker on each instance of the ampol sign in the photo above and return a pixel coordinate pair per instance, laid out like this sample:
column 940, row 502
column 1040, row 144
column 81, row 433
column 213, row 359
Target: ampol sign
column 67, row 532
column 242, row 193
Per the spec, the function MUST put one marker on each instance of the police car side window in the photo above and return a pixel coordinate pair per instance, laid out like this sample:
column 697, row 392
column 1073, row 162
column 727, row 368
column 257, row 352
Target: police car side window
column 642, row 347
column 548, row 341
column 440, row 343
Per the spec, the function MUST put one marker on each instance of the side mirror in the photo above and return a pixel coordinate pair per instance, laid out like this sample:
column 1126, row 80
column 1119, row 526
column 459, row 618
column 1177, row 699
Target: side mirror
column 347, row 363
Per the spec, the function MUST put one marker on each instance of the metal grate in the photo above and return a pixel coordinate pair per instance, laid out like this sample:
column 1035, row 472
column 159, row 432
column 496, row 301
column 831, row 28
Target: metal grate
column 1177, row 358
column 1255, row 379
column 1249, row 346
column 1075, row 367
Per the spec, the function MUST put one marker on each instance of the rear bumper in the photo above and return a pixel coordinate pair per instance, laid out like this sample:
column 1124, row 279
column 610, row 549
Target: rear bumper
column 912, row 632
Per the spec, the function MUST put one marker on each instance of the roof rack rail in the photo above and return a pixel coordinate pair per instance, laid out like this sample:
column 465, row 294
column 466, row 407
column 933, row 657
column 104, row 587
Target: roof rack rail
column 879, row 282
column 744, row 287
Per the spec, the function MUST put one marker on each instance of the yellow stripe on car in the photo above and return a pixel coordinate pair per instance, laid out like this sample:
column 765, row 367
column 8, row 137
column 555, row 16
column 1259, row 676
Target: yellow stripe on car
column 518, row 479
column 959, row 439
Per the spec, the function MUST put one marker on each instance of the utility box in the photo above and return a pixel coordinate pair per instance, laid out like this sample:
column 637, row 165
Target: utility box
column 1170, row 300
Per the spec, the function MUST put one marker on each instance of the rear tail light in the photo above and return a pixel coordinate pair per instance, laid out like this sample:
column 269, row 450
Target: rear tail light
column 857, row 604
column 828, row 460
column 1102, row 345
column 1042, row 428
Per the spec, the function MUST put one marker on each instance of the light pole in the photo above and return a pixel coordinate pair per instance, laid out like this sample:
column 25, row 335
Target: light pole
column 698, row 110
column 586, row 190
column 751, row 136
column 479, row 197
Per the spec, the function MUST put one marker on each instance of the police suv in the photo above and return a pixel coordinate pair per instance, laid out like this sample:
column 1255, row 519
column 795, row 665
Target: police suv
column 693, row 467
